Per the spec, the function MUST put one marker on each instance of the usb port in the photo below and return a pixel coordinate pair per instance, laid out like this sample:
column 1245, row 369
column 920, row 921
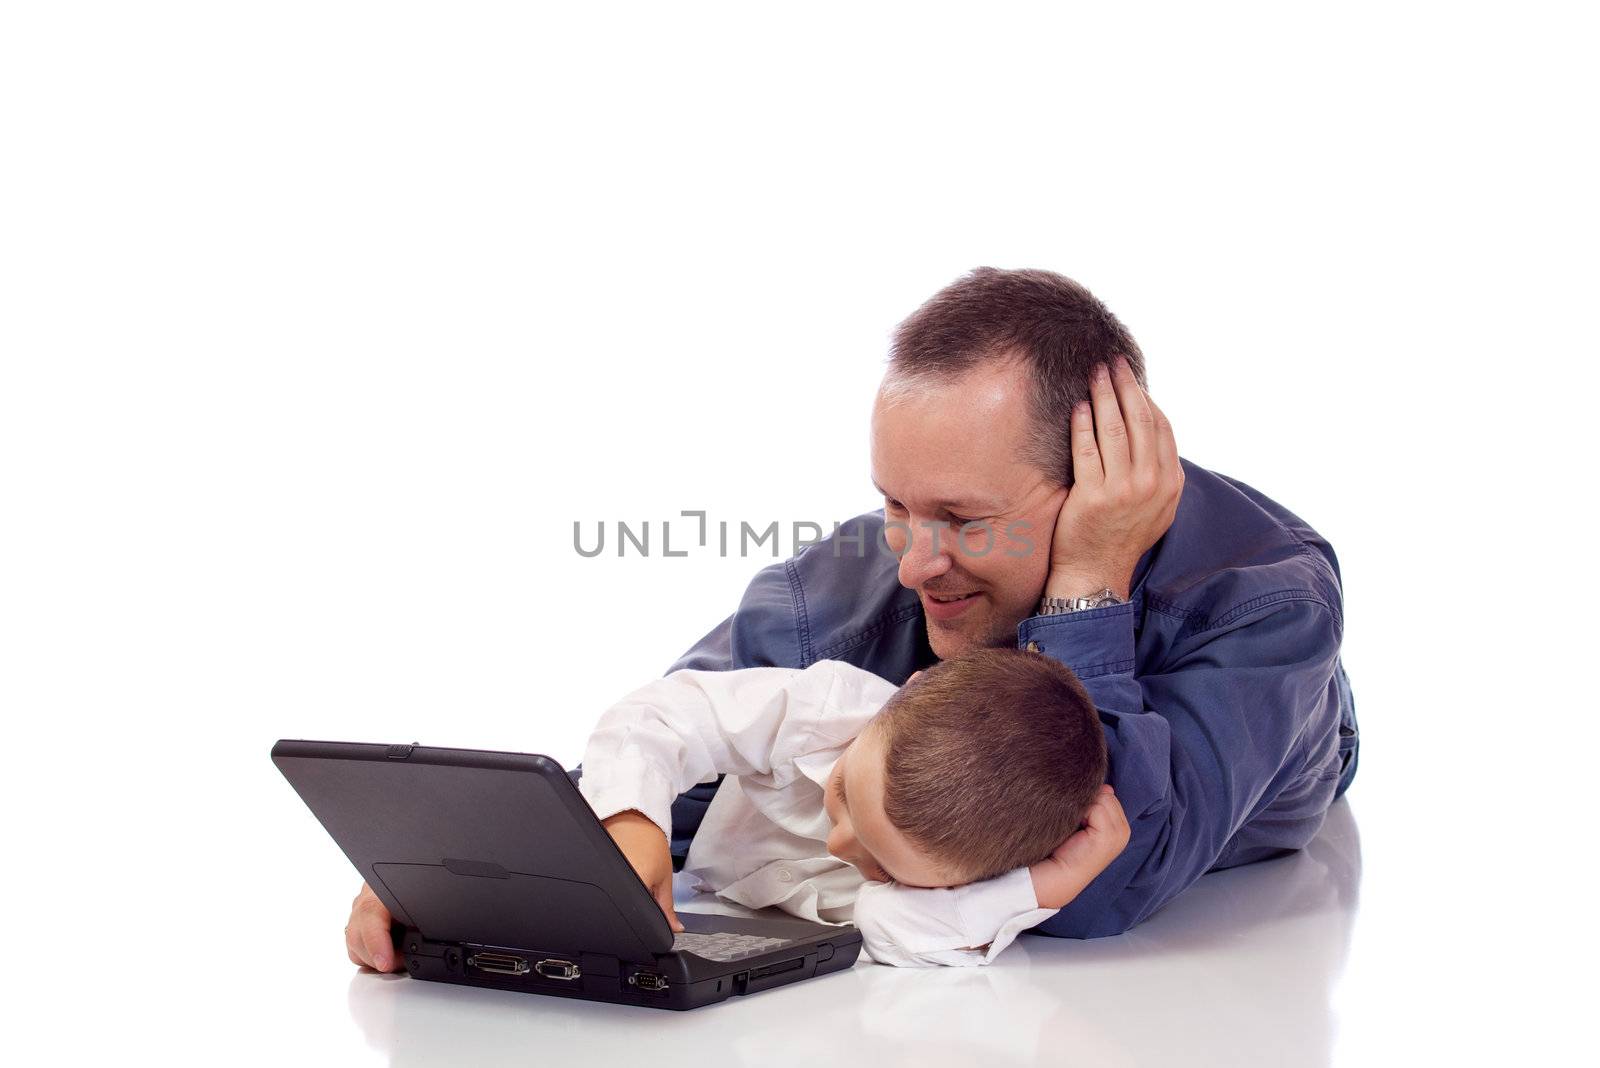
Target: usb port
column 498, row 963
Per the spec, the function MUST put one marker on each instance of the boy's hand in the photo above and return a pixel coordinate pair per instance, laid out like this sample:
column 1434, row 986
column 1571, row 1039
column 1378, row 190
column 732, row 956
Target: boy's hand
column 648, row 850
column 1061, row 876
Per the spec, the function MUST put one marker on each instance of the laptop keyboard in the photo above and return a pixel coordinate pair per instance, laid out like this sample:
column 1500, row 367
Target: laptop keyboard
column 725, row 945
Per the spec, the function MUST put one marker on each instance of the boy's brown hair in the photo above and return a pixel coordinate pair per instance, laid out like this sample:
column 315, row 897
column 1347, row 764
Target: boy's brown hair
column 991, row 759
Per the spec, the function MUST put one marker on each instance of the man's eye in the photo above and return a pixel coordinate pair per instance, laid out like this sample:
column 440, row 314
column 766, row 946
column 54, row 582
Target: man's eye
column 892, row 504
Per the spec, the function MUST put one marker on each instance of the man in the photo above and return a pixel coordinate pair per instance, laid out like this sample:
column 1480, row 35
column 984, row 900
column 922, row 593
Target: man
column 1033, row 495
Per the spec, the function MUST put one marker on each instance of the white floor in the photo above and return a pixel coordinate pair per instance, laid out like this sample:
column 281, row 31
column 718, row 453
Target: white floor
column 1324, row 957
column 1241, row 971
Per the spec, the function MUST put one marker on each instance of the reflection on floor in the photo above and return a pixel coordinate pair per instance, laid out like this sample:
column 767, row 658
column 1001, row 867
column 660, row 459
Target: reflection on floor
column 1238, row 970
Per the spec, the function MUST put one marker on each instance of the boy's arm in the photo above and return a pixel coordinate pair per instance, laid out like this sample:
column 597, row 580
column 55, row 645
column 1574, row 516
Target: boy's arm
column 691, row 725
column 969, row 925
column 764, row 631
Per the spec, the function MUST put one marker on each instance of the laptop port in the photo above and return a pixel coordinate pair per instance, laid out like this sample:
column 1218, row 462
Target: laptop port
column 498, row 963
column 557, row 969
column 774, row 969
column 648, row 981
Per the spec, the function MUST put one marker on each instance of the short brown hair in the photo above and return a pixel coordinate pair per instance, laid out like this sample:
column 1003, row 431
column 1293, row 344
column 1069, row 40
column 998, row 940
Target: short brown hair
column 1051, row 323
column 991, row 759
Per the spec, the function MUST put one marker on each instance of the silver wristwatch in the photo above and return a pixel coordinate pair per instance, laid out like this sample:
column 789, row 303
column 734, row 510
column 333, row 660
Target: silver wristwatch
column 1055, row 606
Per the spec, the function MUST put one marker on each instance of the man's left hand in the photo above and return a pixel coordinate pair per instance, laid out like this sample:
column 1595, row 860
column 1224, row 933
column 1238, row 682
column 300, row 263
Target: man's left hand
column 1126, row 484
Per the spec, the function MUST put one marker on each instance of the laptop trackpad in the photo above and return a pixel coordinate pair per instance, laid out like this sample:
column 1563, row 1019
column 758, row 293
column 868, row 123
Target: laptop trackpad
column 517, row 911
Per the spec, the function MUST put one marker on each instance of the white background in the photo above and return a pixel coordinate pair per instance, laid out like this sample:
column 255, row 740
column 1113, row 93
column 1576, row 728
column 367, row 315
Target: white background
column 322, row 324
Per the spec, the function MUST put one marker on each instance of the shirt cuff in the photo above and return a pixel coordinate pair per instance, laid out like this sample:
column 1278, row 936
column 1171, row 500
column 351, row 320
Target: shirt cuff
column 964, row 925
column 620, row 783
column 1012, row 895
column 1096, row 641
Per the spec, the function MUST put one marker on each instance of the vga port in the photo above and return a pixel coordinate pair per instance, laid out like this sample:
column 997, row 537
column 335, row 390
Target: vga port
column 557, row 969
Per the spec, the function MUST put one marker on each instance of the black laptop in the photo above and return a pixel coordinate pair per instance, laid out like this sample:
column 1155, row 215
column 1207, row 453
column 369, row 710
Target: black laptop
column 498, row 874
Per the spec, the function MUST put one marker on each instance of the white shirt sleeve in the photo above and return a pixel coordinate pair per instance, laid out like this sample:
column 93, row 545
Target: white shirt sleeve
column 691, row 725
column 914, row 926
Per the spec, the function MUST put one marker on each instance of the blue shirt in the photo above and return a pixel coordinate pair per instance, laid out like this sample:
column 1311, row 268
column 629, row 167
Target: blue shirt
column 1228, row 716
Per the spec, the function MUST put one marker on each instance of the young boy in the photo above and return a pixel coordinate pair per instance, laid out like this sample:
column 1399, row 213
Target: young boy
column 942, row 819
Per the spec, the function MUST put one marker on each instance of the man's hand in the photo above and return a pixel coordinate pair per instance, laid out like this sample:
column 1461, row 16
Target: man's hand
column 1061, row 876
column 1126, row 484
column 648, row 850
column 366, row 938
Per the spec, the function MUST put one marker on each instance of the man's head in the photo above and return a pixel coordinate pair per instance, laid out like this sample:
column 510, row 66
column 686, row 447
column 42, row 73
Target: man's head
column 978, row 765
column 971, row 425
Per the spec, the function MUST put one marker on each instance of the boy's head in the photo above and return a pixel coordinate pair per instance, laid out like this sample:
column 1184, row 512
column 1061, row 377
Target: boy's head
column 982, row 763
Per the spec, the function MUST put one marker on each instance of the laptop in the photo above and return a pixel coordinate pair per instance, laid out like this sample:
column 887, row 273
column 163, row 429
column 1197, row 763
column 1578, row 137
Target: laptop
column 498, row 874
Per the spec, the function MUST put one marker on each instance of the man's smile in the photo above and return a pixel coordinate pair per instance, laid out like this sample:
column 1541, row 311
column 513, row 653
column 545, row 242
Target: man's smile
column 947, row 606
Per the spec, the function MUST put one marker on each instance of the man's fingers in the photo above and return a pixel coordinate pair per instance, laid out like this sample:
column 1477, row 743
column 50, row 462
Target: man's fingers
column 1110, row 431
column 1139, row 420
column 1086, row 465
column 1166, row 444
column 377, row 949
column 353, row 947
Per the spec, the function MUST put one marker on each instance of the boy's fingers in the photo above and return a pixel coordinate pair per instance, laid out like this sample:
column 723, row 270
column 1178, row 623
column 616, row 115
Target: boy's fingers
column 664, row 899
column 1106, row 815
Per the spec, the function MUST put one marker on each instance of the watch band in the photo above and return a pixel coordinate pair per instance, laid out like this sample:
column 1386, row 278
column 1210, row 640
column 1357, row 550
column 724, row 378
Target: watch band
column 1056, row 606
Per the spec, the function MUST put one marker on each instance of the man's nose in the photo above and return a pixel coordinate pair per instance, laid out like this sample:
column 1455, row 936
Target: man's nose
column 927, row 554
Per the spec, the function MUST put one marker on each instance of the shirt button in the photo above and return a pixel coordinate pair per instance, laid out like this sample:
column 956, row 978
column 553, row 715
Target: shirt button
column 1033, row 647
column 785, row 875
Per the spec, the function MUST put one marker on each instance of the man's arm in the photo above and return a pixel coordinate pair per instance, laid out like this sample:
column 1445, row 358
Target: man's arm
column 1204, row 744
column 763, row 631
column 1200, row 747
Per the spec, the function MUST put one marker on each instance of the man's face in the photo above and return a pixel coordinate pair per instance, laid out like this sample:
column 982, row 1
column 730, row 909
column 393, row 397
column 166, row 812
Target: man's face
column 862, row 833
column 949, row 454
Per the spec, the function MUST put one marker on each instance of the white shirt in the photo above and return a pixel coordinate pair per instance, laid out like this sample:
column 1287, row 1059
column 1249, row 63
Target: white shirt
column 777, row 733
